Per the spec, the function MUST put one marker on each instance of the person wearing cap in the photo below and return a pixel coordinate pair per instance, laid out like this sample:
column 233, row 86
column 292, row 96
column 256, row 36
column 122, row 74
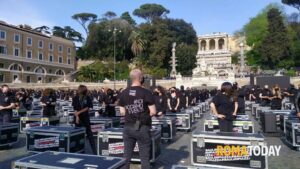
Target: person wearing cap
column 224, row 106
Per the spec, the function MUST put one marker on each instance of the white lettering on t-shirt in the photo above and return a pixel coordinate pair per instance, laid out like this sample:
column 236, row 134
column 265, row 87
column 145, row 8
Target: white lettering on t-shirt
column 136, row 107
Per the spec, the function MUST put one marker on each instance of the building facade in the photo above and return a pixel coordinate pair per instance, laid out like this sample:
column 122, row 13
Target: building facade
column 28, row 56
column 214, row 54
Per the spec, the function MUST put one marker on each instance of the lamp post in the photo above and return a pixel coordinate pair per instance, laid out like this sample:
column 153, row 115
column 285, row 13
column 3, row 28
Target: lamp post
column 115, row 30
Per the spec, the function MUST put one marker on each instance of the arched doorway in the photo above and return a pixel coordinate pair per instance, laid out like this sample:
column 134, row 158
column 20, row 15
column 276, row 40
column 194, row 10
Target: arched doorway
column 60, row 72
column 16, row 70
column 40, row 73
column 212, row 44
column 203, row 45
column 221, row 43
column 222, row 73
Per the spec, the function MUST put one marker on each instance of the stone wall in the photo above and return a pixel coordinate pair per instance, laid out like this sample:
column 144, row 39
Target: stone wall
column 187, row 82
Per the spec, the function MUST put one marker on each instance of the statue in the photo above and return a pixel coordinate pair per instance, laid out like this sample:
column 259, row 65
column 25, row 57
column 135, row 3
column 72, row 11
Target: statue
column 173, row 61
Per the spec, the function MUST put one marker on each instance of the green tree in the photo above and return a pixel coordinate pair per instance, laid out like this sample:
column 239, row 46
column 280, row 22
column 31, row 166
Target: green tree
column 293, row 3
column 256, row 31
column 126, row 16
column 68, row 33
column 100, row 41
column 84, row 19
column 109, row 15
column 160, row 35
column 42, row 29
column 186, row 58
column 87, row 73
column 275, row 48
column 235, row 58
column 137, row 43
column 149, row 12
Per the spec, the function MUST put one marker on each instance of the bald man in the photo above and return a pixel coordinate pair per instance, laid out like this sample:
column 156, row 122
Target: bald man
column 137, row 105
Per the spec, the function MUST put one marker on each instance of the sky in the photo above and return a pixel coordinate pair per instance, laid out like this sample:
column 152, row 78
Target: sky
column 207, row 16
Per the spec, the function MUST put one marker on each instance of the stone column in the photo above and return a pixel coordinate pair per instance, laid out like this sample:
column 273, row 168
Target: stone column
column 207, row 44
column 216, row 44
column 199, row 45
column 225, row 43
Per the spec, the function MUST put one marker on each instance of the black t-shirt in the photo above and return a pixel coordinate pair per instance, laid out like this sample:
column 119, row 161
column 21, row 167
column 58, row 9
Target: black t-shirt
column 183, row 96
column 266, row 92
column 160, row 103
column 173, row 101
column 5, row 100
column 136, row 100
column 276, row 102
column 80, row 103
column 224, row 105
column 49, row 109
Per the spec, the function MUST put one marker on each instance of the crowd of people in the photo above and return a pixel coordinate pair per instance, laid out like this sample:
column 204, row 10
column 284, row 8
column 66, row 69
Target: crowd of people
column 138, row 105
column 230, row 101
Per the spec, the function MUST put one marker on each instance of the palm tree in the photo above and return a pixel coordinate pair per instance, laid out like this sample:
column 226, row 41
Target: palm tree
column 87, row 72
column 137, row 43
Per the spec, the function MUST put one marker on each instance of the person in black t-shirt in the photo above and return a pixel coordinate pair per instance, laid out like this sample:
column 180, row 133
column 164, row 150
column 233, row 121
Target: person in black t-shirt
column 252, row 95
column 265, row 96
column 82, row 103
column 48, row 101
column 240, row 98
column 6, row 105
column 173, row 100
column 184, row 99
column 160, row 101
column 276, row 98
column 110, row 100
column 297, row 103
column 224, row 105
column 137, row 104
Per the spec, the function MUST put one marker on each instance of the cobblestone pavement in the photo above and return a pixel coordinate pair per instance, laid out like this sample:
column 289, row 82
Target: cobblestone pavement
column 176, row 152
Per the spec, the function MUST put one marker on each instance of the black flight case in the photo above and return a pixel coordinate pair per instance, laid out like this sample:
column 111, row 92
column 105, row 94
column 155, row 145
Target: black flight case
column 61, row 160
column 56, row 138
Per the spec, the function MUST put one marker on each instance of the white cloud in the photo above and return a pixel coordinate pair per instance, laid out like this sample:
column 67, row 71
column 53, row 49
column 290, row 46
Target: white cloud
column 18, row 12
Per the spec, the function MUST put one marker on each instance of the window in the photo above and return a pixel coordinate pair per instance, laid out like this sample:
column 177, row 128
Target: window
column 28, row 68
column 41, row 44
column 50, row 79
column 16, row 67
column 16, row 52
column 41, row 56
column 28, row 79
column 3, row 49
column 60, row 48
column 29, row 41
column 29, row 54
column 2, row 35
column 17, row 38
column 50, row 58
column 69, row 50
column 69, row 61
column 1, row 78
column 50, row 46
column 60, row 59
column 40, row 70
column 1, row 65
column 50, row 71
column 60, row 72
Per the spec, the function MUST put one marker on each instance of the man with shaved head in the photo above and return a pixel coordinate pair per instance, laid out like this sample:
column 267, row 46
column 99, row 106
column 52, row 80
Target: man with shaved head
column 137, row 105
